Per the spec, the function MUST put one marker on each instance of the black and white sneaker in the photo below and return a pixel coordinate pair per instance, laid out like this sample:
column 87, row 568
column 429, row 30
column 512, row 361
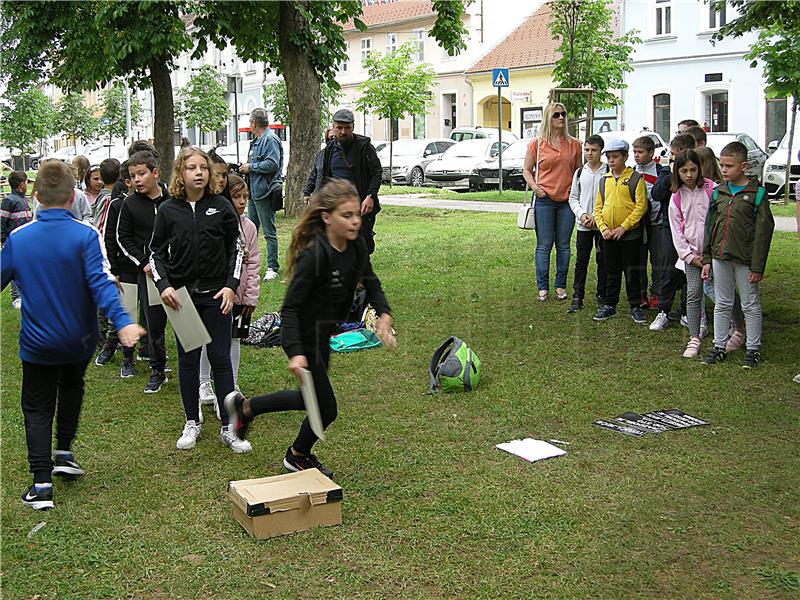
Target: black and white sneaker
column 127, row 369
column 157, row 379
column 577, row 304
column 714, row 356
column 604, row 313
column 301, row 463
column 106, row 355
column 638, row 316
column 238, row 421
column 751, row 359
column 39, row 499
column 66, row 466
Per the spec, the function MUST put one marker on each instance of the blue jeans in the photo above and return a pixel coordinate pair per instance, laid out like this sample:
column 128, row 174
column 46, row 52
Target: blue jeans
column 265, row 216
column 554, row 224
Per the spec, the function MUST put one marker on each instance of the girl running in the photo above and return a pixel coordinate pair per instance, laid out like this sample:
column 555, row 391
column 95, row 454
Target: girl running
column 687, row 220
column 326, row 260
column 195, row 244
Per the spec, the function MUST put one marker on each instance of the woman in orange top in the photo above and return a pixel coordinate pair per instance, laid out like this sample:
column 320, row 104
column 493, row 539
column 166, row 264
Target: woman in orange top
column 555, row 154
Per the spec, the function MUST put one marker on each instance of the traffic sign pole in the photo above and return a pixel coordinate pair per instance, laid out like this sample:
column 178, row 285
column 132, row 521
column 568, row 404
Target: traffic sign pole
column 499, row 141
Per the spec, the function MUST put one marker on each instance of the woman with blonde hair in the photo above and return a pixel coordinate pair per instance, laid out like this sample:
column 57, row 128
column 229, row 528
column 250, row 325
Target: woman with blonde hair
column 550, row 162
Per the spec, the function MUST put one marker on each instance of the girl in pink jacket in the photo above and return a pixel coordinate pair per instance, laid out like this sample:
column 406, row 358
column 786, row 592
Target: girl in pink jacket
column 246, row 297
column 687, row 219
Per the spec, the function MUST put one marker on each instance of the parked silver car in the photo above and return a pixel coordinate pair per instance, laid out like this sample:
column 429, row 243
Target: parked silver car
column 756, row 157
column 454, row 167
column 410, row 159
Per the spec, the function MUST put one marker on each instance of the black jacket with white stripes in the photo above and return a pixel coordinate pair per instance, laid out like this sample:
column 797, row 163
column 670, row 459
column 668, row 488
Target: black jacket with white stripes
column 135, row 227
column 196, row 245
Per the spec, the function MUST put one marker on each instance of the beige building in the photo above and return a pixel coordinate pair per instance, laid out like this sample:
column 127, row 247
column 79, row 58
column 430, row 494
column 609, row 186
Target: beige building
column 452, row 98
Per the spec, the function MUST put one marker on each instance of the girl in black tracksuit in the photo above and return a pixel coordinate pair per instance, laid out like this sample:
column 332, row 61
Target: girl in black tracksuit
column 196, row 244
column 328, row 259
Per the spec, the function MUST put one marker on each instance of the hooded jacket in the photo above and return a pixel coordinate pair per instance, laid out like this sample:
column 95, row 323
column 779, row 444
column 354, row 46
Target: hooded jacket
column 736, row 230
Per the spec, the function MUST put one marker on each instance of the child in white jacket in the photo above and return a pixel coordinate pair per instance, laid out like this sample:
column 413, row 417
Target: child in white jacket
column 687, row 219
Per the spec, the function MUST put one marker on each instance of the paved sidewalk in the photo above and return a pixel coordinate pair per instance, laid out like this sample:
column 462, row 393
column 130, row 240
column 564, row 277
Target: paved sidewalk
column 418, row 201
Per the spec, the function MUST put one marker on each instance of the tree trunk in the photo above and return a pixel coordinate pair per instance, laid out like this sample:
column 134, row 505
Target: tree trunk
column 788, row 171
column 303, row 97
column 164, row 121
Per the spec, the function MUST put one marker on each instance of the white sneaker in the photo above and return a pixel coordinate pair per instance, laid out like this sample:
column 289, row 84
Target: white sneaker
column 17, row 303
column 200, row 412
column 216, row 409
column 685, row 321
column 188, row 439
column 270, row 275
column 229, row 438
column 207, row 395
column 660, row 323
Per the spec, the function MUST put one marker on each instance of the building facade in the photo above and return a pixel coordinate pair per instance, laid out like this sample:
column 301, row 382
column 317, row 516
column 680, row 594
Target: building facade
column 678, row 73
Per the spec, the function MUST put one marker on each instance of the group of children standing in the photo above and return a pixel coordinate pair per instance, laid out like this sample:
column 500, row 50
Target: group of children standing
column 706, row 228
column 188, row 236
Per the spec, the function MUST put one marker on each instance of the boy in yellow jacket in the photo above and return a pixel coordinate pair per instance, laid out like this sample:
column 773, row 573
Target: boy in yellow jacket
column 620, row 205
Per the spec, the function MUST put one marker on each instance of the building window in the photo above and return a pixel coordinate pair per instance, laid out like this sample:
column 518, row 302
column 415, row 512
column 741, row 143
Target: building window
column 345, row 64
column 716, row 19
column 716, row 111
column 391, row 43
column 250, row 67
column 663, row 17
column 776, row 119
column 419, row 126
column 366, row 48
column 418, row 35
column 661, row 115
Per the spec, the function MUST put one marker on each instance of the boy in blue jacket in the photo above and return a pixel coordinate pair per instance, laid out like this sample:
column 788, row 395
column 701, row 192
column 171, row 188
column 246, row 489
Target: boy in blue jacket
column 64, row 276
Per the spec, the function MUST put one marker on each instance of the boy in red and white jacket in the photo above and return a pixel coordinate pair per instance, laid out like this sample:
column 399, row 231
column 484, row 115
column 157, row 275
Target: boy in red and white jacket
column 246, row 297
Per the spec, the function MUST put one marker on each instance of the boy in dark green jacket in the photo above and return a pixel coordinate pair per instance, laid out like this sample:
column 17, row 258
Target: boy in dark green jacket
column 739, row 228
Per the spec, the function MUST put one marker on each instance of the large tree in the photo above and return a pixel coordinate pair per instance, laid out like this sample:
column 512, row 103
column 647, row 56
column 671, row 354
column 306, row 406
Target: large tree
column 303, row 41
column 396, row 87
column 83, row 45
column 75, row 119
column 778, row 26
column 202, row 101
column 592, row 55
column 114, row 120
column 26, row 118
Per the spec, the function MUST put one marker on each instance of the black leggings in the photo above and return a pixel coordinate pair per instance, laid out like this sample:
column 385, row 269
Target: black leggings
column 219, row 327
column 45, row 387
column 318, row 359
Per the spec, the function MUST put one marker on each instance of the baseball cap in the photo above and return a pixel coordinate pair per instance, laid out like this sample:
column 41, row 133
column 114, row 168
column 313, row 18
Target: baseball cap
column 343, row 115
column 616, row 145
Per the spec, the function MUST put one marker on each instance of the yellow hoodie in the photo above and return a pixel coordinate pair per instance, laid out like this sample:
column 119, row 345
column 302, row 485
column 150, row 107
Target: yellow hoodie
column 619, row 209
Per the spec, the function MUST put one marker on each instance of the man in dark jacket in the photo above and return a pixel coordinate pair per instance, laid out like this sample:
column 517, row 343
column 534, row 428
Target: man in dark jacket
column 351, row 156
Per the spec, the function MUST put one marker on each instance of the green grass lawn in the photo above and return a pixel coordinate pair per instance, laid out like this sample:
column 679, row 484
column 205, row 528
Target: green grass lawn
column 784, row 210
column 431, row 509
column 491, row 196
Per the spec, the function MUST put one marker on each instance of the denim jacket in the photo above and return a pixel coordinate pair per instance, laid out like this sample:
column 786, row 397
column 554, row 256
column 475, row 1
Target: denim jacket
column 266, row 164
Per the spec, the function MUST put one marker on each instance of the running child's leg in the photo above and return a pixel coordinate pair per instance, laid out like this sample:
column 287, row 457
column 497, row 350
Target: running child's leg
column 70, row 399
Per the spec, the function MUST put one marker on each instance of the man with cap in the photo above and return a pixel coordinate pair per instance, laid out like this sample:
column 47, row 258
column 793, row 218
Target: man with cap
column 351, row 156
column 263, row 168
column 620, row 205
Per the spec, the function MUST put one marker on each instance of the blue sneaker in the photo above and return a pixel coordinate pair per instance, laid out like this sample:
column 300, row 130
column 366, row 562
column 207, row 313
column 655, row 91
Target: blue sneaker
column 638, row 316
column 604, row 313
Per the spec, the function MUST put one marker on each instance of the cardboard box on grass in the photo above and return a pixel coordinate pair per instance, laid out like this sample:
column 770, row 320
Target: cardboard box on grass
column 283, row 504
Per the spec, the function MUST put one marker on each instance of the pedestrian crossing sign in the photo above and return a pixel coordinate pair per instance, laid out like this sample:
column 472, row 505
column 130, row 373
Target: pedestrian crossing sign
column 500, row 78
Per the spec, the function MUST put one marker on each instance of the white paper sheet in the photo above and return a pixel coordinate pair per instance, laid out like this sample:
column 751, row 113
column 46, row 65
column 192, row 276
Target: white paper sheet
column 130, row 294
column 187, row 323
column 153, row 295
column 531, row 450
column 312, row 406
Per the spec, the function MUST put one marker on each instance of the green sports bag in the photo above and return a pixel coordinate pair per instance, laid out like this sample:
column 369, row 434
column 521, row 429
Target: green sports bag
column 352, row 341
column 454, row 367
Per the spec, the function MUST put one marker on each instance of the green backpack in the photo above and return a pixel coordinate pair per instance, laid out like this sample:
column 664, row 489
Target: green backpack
column 454, row 367
column 352, row 341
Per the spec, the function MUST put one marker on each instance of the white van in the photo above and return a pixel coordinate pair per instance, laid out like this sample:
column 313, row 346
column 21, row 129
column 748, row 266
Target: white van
column 775, row 167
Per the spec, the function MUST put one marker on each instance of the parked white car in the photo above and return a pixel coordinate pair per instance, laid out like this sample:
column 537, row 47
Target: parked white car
column 410, row 158
column 460, row 134
column 775, row 167
column 661, row 154
column 108, row 151
column 455, row 166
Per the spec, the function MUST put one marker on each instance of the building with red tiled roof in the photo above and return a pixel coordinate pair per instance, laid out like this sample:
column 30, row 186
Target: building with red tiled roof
column 529, row 52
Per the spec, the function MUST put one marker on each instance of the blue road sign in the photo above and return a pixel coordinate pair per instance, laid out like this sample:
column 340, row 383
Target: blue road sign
column 500, row 78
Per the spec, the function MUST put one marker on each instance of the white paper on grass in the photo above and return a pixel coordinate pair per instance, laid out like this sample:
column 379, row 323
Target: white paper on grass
column 312, row 406
column 187, row 323
column 153, row 295
column 130, row 293
column 531, row 450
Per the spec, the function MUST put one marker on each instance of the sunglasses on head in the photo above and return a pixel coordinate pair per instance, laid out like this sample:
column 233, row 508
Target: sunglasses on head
column 562, row 113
